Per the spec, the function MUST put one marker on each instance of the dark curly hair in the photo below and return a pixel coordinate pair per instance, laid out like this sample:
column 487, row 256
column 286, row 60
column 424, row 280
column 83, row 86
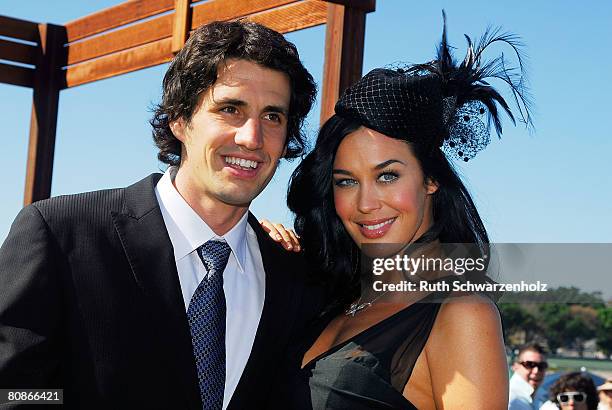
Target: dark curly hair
column 194, row 70
column 576, row 381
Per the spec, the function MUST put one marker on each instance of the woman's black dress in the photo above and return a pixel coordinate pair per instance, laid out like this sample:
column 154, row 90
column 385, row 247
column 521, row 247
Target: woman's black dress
column 369, row 370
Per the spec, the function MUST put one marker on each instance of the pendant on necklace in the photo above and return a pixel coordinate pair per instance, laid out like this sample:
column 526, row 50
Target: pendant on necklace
column 355, row 308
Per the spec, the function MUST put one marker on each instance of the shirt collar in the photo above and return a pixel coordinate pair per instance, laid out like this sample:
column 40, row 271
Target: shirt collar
column 521, row 386
column 236, row 239
column 187, row 230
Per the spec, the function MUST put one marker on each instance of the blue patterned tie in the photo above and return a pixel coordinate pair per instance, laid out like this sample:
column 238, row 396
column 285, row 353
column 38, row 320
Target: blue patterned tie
column 206, row 314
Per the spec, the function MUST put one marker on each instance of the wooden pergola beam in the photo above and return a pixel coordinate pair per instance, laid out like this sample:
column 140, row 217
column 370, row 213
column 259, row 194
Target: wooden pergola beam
column 158, row 28
column 98, row 46
column 15, row 75
column 14, row 50
column 16, row 28
column 344, row 42
column 123, row 39
column 43, row 123
column 17, row 52
column 136, row 10
column 293, row 17
column 367, row 6
column 116, row 16
column 223, row 10
column 137, row 58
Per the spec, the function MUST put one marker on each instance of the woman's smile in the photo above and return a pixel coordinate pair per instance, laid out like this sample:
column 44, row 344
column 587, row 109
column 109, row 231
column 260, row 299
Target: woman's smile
column 374, row 229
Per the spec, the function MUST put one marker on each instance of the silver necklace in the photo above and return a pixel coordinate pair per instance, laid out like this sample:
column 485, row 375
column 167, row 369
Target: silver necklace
column 357, row 307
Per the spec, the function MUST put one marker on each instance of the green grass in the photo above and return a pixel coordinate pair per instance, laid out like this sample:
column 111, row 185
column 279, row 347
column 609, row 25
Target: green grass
column 566, row 364
column 569, row 364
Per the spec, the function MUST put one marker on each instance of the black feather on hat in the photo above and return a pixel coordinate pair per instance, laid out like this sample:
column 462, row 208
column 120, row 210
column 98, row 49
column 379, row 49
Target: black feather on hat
column 440, row 103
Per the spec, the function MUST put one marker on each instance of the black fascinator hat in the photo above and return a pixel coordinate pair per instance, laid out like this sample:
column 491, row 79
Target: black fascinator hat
column 441, row 104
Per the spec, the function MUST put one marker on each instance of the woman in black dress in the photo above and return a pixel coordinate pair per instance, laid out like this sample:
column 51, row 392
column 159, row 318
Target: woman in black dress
column 379, row 184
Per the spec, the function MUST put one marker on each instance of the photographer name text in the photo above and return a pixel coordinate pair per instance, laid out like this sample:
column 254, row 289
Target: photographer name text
column 459, row 286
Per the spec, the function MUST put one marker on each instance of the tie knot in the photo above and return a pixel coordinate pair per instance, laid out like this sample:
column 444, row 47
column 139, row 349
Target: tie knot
column 214, row 255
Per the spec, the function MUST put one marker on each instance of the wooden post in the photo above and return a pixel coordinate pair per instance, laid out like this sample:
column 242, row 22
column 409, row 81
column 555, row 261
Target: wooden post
column 47, row 84
column 180, row 30
column 114, row 49
column 344, row 42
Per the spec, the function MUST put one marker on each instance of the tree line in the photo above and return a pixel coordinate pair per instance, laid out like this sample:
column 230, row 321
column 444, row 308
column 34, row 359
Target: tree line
column 561, row 317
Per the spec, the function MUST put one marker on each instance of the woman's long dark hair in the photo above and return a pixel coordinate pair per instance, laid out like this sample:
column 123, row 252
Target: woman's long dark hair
column 329, row 249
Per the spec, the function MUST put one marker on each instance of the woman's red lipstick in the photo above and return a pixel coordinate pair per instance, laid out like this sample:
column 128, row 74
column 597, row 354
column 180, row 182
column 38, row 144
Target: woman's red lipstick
column 376, row 228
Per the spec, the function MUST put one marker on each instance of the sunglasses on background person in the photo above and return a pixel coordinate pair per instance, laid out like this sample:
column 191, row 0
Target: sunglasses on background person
column 530, row 365
column 575, row 396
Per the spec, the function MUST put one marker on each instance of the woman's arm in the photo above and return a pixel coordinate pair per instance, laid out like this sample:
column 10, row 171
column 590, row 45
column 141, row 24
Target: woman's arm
column 466, row 356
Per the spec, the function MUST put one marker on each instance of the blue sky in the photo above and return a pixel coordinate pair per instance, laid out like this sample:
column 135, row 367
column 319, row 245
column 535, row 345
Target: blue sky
column 549, row 186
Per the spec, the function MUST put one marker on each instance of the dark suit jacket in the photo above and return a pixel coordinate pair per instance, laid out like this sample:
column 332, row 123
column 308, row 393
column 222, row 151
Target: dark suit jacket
column 90, row 302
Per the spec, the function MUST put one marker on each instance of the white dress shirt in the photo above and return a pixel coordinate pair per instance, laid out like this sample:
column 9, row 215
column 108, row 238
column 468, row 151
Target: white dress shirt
column 243, row 277
column 520, row 394
column 549, row 405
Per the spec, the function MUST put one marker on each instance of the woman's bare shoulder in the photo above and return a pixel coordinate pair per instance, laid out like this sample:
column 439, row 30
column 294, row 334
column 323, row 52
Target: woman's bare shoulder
column 466, row 355
column 468, row 307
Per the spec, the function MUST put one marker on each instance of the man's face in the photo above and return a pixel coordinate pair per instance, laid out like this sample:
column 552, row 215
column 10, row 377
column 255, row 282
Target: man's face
column 535, row 375
column 605, row 398
column 232, row 144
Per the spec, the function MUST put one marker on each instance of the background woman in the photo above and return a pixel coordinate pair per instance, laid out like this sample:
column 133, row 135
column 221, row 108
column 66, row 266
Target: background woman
column 575, row 391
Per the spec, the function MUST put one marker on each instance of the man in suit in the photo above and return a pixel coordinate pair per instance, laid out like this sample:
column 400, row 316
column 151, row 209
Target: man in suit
column 168, row 293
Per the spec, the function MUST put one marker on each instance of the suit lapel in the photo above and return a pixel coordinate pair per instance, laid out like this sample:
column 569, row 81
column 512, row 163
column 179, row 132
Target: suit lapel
column 146, row 243
column 281, row 301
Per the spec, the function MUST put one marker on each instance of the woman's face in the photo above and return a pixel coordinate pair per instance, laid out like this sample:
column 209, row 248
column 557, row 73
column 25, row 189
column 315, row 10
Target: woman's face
column 569, row 402
column 380, row 193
